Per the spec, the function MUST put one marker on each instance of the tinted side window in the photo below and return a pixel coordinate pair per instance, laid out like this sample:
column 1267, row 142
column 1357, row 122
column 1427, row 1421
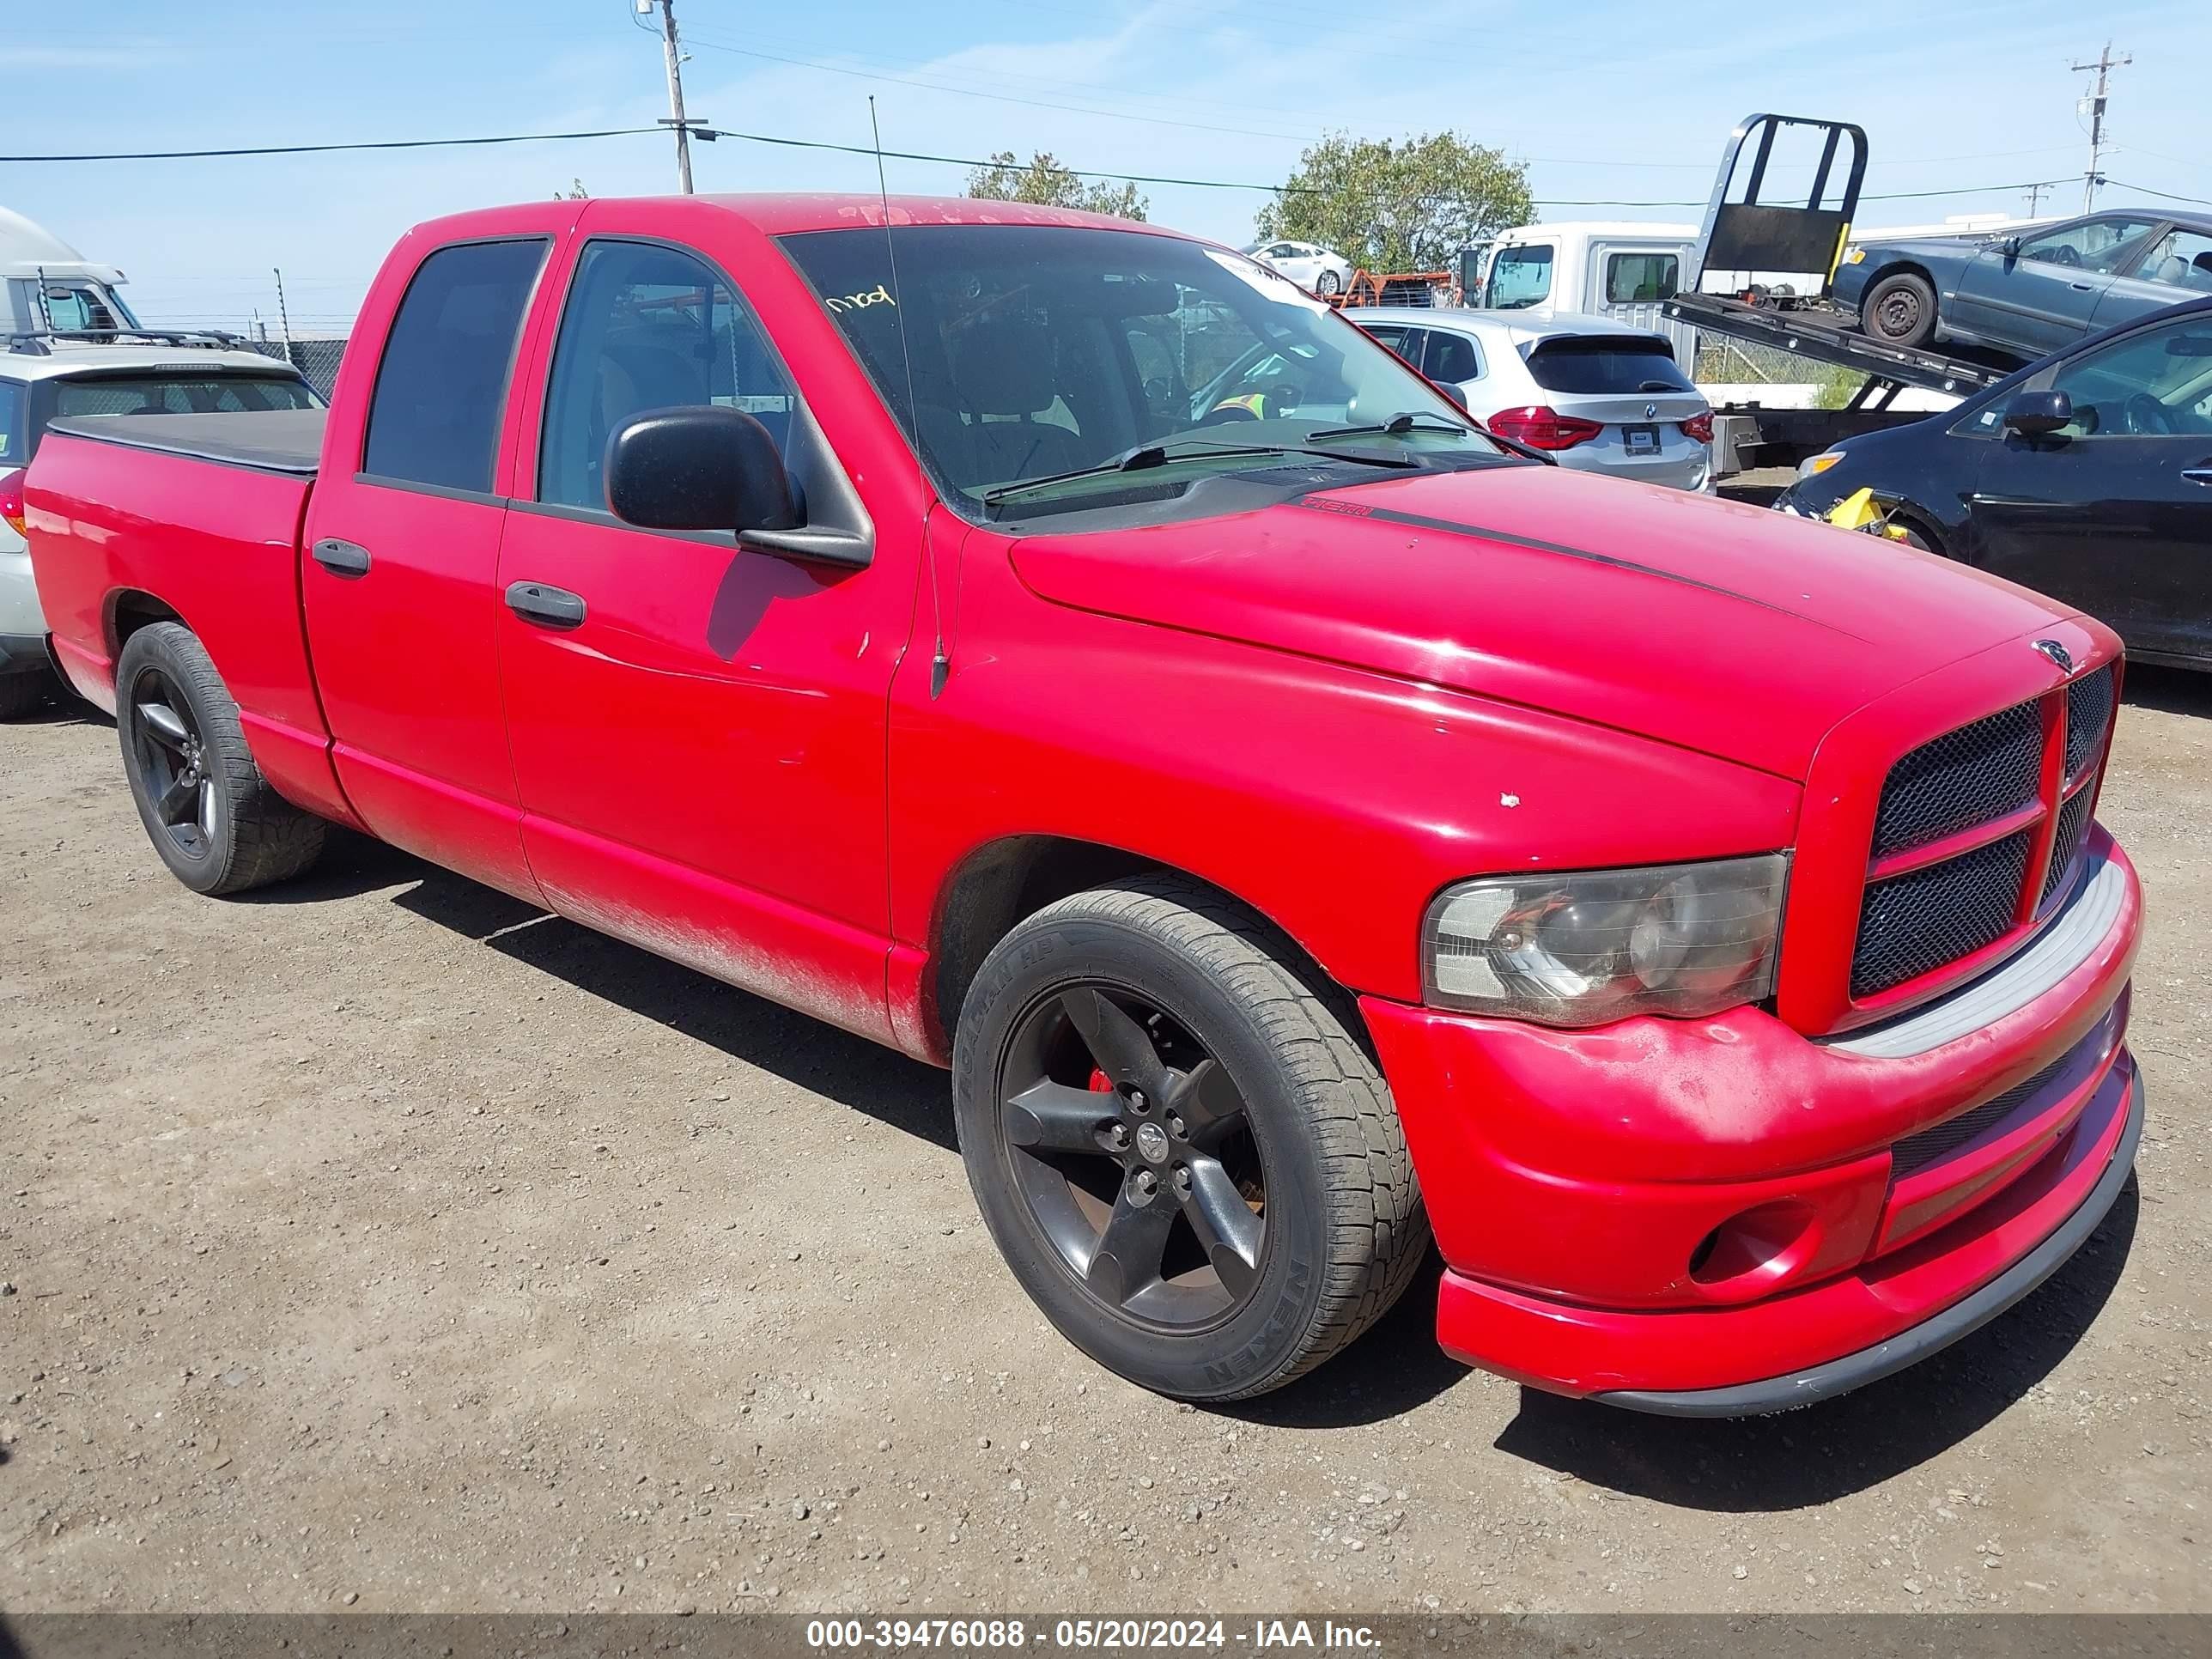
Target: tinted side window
column 434, row 416
column 14, row 436
column 2157, row 384
column 1452, row 357
column 647, row 327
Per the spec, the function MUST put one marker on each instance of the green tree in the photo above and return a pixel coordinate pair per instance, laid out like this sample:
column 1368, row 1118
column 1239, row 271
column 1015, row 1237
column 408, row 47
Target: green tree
column 1415, row 204
column 1048, row 183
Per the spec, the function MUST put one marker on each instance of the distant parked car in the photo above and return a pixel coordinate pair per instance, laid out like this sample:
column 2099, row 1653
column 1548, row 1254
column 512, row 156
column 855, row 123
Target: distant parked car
column 1597, row 396
column 2027, row 292
column 2088, row 476
column 1314, row 269
column 43, row 375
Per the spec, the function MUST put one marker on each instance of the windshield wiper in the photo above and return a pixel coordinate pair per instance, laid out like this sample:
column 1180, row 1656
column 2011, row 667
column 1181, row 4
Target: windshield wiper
column 1146, row 456
column 1396, row 427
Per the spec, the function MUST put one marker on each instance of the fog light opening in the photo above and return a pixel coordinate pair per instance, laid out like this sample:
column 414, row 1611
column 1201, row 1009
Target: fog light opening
column 1757, row 1249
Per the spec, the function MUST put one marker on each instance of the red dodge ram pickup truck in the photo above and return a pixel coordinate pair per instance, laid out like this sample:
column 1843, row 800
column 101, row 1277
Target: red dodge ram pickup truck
column 1061, row 650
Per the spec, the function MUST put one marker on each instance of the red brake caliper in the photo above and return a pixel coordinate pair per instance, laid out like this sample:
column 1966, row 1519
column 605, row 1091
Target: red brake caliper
column 1099, row 1083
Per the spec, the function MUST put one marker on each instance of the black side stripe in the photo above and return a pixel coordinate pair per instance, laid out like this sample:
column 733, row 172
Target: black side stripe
column 1419, row 521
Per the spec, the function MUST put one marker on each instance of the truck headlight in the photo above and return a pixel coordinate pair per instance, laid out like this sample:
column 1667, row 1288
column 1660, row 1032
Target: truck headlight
column 1684, row 939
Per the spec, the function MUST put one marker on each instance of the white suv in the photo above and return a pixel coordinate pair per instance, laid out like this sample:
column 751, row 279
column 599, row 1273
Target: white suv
column 46, row 374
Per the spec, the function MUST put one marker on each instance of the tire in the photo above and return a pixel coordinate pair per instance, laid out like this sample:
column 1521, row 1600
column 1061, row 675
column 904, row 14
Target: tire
column 1328, row 284
column 1899, row 310
column 25, row 694
column 1338, row 1226
column 234, row 832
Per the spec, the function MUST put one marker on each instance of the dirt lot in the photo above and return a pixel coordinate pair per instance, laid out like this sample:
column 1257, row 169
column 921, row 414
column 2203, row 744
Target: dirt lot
column 379, row 1244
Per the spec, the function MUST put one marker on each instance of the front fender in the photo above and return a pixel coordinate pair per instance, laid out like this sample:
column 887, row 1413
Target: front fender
column 1334, row 801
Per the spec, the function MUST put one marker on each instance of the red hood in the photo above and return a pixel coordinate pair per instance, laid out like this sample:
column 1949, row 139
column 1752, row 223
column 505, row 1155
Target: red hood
column 1730, row 630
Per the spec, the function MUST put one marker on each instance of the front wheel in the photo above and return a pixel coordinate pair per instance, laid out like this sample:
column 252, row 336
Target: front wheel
column 1328, row 283
column 212, row 817
column 1188, row 1162
column 1901, row 310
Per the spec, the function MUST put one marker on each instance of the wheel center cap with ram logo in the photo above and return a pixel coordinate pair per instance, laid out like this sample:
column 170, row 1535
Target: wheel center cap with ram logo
column 1152, row 1142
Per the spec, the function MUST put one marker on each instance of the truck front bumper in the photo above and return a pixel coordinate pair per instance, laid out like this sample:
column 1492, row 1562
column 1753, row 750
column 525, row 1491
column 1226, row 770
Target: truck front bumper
column 1724, row 1217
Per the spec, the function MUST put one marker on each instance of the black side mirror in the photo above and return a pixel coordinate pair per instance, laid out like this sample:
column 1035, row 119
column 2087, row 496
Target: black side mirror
column 2010, row 246
column 700, row 468
column 2037, row 414
column 1446, row 389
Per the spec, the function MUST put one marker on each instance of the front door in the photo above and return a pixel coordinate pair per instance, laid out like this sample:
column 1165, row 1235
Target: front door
column 2114, row 515
column 2041, row 299
column 698, row 728
column 404, row 552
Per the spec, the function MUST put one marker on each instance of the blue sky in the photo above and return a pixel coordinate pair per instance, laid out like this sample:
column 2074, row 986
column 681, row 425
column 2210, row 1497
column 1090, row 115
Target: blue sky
column 1605, row 99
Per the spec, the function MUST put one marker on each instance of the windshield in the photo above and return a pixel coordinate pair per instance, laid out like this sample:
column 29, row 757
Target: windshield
column 1040, row 350
column 179, row 394
column 1519, row 277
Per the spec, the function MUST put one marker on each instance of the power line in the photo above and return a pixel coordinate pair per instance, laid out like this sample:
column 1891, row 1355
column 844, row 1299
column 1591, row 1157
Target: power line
column 784, row 141
column 321, row 150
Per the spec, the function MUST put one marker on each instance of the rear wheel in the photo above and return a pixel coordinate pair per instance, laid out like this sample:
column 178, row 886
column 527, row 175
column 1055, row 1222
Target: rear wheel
column 1901, row 310
column 1190, row 1165
column 212, row 817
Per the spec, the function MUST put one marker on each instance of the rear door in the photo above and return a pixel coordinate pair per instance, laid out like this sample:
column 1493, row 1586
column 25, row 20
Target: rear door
column 403, row 535
column 2115, row 514
column 2175, row 264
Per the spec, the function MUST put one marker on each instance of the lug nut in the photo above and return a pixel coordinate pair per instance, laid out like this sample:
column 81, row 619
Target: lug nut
column 1119, row 1134
column 1175, row 1126
column 1138, row 1103
column 1147, row 1182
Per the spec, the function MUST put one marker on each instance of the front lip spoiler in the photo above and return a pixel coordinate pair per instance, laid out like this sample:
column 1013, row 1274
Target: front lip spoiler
column 1909, row 1347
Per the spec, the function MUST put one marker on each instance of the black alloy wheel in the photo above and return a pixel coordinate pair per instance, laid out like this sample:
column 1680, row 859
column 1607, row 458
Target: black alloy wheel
column 1131, row 1147
column 1180, row 1145
column 175, row 759
column 212, row 816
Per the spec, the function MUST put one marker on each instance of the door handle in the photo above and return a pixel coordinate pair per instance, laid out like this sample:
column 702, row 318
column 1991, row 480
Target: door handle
column 2198, row 475
column 2081, row 288
column 549, row 607
column 341, row 558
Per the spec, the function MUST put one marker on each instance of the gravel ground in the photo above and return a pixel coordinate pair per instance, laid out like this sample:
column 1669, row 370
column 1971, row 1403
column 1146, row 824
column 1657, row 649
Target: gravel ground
column 380, row 1244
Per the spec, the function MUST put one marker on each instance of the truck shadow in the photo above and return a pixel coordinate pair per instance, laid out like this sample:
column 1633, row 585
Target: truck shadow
column 851, row 1070
column 1842, row 1446
column 2170, row 690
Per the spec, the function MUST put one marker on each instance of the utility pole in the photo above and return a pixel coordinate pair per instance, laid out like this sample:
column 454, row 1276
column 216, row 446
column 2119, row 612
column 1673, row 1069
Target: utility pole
column 675, row 58
column 2094, row 103
column 2034, row 197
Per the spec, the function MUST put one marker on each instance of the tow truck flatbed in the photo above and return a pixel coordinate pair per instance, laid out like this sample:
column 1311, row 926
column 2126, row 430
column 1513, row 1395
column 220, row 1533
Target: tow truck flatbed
column 1824, row 337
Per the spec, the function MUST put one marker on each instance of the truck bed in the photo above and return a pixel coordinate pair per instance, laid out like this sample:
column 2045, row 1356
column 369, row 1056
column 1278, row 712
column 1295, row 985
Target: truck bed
column 288, row 440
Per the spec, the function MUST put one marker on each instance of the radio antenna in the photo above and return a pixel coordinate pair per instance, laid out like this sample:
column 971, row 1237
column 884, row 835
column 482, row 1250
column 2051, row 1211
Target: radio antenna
column 941, row 665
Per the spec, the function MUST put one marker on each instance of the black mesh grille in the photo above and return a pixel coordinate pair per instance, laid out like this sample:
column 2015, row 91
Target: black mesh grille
column 1912, row 924
column 1963, row 778
column 1919, row 1152
column 2073, row 822
column 2088, row 711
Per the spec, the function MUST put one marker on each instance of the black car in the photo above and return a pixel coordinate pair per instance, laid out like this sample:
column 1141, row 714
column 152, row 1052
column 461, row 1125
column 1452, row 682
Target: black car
column 2088, row 476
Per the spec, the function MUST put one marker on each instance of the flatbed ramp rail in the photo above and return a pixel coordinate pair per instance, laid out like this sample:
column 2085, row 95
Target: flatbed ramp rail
column 1748, row 241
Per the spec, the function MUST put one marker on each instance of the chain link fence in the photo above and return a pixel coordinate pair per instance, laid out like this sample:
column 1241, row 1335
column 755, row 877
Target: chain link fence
column 317, row 359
